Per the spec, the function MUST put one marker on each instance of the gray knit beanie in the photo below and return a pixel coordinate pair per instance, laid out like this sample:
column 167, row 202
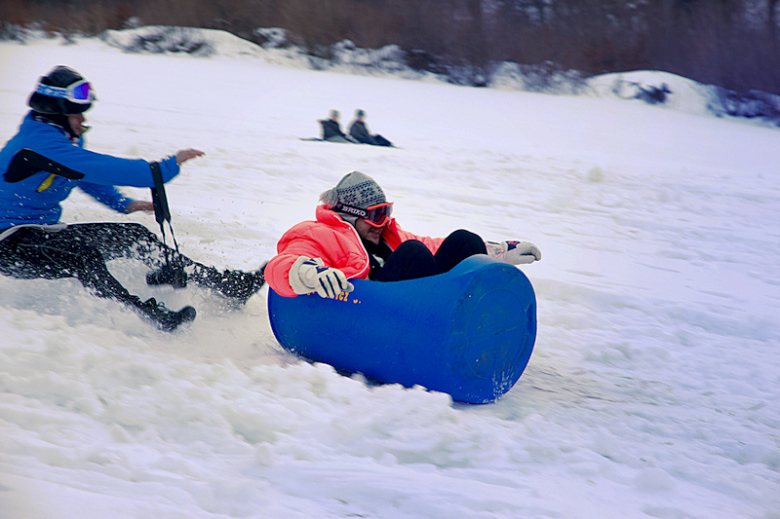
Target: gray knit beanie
column 355, row 189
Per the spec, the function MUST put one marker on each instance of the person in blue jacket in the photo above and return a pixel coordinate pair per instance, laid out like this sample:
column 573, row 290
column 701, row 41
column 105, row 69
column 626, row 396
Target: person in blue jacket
column 35, row 244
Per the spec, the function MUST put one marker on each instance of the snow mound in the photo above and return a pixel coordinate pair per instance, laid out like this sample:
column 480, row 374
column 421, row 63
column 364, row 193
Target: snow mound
column 679, row 93
column 163, row 39
column 652, row 87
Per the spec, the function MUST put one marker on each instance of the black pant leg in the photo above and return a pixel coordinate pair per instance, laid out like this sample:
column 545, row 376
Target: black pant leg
column 134, row 240
column 411, row 260
column 458, row 246
column 36, row 253
column 128, row 240
column 81, row 250
column 381, row 141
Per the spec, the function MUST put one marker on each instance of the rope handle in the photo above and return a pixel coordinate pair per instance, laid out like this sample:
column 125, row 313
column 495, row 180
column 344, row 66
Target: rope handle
column 162, row 212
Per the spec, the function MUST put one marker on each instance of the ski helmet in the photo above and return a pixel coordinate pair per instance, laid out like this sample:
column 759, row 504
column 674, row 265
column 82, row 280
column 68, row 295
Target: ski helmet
column 59, row 100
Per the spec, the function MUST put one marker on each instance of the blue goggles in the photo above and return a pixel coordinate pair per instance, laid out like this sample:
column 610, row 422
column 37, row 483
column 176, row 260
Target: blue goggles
column 80, row 92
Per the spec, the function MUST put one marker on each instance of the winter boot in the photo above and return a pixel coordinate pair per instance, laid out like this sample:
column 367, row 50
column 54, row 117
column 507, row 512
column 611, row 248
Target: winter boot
column 166, row 320
column 237, row 285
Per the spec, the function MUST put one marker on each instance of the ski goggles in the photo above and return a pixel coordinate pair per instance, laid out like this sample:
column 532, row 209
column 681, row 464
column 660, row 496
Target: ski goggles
column 80, row 92
column 376, row 216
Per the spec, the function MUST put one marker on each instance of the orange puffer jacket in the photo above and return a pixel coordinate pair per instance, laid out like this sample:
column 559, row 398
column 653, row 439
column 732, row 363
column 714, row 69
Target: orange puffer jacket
column 336, row 242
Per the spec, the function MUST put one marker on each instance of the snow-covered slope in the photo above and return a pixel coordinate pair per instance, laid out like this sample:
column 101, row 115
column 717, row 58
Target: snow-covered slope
column 653, row 390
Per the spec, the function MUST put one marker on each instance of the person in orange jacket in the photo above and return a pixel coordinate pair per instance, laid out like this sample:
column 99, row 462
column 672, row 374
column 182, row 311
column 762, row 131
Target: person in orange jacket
column 354, row 237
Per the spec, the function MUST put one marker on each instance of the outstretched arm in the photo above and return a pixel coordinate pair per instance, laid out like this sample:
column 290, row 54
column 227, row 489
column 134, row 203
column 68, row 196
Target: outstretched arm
column 182, row 156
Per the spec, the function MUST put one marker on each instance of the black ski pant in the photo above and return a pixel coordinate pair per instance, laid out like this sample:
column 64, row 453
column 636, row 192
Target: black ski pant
column 412, row 259
column 82, row 250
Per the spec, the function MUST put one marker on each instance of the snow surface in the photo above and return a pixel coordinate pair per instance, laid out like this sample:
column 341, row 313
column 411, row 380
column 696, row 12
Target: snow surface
column 653, row 390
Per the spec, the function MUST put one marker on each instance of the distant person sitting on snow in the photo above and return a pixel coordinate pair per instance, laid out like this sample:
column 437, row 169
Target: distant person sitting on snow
column 359, row 131
column 354, row 237
column 331, row 129
column 653, row 95
column 34, row 244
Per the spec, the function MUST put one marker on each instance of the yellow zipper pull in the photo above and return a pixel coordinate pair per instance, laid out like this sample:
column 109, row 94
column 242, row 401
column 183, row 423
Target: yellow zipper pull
column 46, row 184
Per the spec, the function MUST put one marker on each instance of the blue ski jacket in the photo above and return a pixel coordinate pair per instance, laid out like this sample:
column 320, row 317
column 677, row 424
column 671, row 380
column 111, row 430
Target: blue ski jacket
column 22, row 203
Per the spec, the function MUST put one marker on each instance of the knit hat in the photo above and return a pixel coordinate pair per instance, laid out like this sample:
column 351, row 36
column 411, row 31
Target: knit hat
column 360, row 113
column 355, row 189
column 60, row 77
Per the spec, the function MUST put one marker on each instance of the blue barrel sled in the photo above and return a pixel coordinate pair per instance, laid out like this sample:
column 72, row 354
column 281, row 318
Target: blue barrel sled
column 469, row 332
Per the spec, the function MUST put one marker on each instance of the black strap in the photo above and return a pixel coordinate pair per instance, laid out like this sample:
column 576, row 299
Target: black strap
column 162, row 212
column 26, row 163
column 160, row 201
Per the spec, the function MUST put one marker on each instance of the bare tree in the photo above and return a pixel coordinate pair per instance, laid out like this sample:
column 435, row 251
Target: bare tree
column 771, row 19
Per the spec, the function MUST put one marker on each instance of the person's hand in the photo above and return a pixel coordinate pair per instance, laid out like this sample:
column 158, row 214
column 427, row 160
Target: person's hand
column 310, row 275
column 514, row 252
column 139, row 205
column 183, row 156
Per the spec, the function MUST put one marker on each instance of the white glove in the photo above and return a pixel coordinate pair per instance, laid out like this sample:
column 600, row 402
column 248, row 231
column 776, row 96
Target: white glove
column 309, row 275
column 514, row 252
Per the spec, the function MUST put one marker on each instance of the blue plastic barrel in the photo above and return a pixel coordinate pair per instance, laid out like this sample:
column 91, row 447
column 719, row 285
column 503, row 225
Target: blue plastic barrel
column 469, row 332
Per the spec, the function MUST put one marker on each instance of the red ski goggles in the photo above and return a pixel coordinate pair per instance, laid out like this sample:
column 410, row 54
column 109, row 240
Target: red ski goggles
column 80, row 92
column 376, row 216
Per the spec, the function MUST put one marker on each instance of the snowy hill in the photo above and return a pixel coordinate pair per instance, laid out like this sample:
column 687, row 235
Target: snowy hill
column 653, row 390
column 652, row 87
